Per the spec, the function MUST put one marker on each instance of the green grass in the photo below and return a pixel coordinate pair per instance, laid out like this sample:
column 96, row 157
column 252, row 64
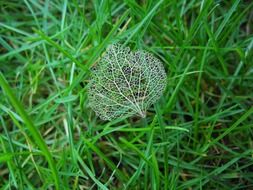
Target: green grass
column 198, row 136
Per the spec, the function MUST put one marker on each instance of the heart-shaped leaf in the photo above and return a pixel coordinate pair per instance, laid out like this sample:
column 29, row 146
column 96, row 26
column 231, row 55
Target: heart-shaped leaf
column 124, row 83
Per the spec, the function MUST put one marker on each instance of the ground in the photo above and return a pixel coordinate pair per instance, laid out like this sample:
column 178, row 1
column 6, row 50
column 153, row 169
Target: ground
column 197, row 136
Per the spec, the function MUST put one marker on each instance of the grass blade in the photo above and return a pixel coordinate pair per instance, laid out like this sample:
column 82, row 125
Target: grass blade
column 33, row 130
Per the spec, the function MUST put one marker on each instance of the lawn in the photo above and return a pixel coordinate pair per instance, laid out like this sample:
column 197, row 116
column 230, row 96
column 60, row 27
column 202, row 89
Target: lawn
column 198, row 135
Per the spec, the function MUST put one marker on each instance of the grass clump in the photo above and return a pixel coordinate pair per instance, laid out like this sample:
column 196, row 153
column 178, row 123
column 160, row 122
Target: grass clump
column 197, row 136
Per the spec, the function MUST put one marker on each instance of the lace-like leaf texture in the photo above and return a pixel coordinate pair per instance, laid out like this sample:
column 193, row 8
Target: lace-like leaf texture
column 125, row 83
